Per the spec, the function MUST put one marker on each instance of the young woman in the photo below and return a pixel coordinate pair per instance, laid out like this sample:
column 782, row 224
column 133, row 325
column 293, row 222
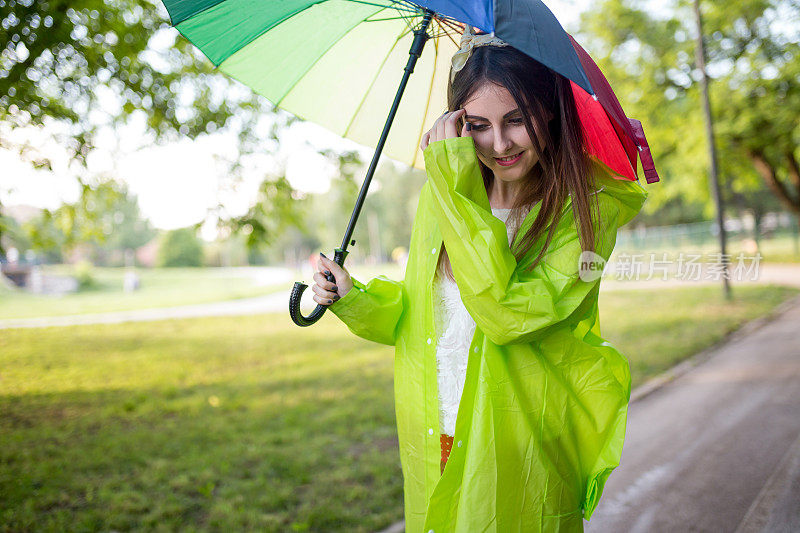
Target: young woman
column 511, row 409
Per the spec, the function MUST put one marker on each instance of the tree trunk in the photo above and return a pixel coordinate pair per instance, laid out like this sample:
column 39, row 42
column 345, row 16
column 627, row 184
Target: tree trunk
column 770, row 177
column 794, row 170
column 2, row 227
column 757, row 216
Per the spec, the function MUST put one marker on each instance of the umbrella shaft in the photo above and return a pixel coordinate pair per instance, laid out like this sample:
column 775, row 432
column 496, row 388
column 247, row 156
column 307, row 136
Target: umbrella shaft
column 420, row 37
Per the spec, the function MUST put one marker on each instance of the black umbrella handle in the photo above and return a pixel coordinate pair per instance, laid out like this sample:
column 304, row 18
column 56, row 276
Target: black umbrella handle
column 297, row 293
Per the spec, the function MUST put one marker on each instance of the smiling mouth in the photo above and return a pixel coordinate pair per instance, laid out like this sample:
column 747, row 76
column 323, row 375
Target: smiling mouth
column 507, row 159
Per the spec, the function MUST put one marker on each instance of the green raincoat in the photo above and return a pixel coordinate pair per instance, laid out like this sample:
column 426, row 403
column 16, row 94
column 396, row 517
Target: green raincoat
column 542, row 416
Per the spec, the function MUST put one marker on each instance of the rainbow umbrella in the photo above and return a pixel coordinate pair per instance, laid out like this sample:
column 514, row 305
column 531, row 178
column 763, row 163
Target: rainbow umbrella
column 344, row 64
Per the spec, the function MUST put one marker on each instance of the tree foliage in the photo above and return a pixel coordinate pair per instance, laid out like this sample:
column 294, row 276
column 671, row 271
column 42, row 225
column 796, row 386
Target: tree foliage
column 753, row 49
column 83, row 68
column 180, row 248
column 72, row 61
column 106, row 217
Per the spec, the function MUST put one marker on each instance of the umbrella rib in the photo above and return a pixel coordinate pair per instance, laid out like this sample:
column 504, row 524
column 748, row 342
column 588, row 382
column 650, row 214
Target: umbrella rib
column 372, row 83
column 411, row 9
column 454, row 27
column 392, row 6
column 453, row 22
column 409, row 5
column 410, row 20
column 381, row 20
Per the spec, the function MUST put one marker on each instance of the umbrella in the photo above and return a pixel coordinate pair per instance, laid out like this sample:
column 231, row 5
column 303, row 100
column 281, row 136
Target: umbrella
column 343, row 63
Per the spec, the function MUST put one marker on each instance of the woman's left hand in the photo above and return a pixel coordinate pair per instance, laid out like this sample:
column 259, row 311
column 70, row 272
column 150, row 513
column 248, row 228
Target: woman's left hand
column 445, row 126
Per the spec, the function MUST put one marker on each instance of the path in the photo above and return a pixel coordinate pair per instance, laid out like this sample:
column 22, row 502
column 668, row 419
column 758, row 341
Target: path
column 242, row 306
column 718, row 448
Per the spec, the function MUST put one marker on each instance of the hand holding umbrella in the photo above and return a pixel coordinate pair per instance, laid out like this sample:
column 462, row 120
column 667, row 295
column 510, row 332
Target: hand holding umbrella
column 327, row 290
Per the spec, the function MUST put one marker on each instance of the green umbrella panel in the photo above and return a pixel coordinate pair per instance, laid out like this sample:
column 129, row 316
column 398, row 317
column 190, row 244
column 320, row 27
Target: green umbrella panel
column 337, row 63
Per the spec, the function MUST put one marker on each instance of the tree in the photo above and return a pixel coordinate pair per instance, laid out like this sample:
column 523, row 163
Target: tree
column 180, row 248
column 331, row 211
column 754, row 65
column 396, row 203
column 277, row 208
column 45, row 236
column 124, row 227
column 106, row 217
column 83, row 67
column 9, row 230
column 13, row 235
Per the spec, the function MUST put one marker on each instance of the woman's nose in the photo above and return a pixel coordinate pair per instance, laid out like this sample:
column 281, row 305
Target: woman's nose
column 502, row 144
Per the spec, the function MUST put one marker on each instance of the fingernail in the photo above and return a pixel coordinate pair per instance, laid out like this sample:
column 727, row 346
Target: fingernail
column 327, row 272
column 336, row 297
column 330, row 301
column 469, row 126
column 334, row 289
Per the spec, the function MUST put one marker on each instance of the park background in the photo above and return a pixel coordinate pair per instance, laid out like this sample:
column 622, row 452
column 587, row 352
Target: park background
column 133, row 178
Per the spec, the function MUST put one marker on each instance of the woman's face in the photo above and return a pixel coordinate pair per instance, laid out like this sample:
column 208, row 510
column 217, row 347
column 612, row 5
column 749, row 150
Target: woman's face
column 499, row 131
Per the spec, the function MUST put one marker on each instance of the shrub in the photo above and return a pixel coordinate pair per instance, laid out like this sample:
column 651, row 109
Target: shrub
column 84, row 273
column 180, row 248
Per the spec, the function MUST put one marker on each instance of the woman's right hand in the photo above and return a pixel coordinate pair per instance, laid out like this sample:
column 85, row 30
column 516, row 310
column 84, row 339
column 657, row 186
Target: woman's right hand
column 326, row 292
column 446, row 126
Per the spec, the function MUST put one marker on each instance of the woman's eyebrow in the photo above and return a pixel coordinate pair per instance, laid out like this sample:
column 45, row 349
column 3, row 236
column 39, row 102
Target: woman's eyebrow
column 476, row 117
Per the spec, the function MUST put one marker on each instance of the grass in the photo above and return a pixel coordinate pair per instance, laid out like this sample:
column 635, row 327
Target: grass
column 249, row 423
column 232, row 424
column 781, row 248
column 658, row 328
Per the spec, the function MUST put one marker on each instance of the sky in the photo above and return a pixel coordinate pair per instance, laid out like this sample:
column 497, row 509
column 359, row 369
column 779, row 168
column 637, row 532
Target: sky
column 177, row 184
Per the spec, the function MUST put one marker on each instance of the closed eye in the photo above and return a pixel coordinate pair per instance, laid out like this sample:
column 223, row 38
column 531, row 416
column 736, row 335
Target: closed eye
column 481, row 127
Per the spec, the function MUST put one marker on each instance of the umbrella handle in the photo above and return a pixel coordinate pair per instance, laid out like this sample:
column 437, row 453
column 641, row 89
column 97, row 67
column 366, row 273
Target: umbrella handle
column 297, row 293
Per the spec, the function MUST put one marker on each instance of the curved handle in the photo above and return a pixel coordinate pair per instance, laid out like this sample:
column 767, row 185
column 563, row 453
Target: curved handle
column 297, row 293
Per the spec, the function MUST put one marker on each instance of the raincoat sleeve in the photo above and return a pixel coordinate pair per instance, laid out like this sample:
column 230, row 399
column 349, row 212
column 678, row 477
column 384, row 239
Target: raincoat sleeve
column 372, row 311
column 509, row 305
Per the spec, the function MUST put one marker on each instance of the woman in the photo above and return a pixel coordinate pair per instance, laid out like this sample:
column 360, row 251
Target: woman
column 541, row 405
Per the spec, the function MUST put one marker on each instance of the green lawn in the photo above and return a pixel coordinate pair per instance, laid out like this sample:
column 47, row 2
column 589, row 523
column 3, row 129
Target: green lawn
column 782, row 248
column 249, row 423
column 658, row 328
column 160, row 287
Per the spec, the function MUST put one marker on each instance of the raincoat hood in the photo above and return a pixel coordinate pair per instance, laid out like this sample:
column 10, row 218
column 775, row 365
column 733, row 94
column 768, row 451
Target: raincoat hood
column 542, row 416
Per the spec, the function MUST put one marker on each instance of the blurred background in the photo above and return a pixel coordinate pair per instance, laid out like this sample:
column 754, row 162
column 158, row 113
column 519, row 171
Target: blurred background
column 154, row 215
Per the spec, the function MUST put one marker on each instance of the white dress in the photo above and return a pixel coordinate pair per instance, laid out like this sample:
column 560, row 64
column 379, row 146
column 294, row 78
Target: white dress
column 454, row 330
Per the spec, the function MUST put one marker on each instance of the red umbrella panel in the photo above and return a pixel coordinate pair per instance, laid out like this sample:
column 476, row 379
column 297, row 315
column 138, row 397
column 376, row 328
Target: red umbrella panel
column 612, row 138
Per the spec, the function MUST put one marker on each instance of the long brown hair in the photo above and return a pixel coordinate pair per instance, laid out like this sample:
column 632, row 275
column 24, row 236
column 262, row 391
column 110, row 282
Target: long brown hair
column 564, row 167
